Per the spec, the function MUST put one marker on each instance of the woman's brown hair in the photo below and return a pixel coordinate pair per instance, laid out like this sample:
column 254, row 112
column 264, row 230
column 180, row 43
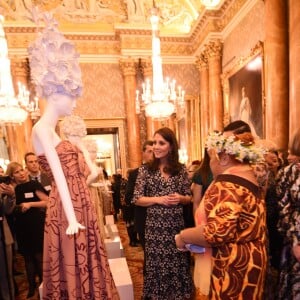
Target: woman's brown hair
column 173, row 165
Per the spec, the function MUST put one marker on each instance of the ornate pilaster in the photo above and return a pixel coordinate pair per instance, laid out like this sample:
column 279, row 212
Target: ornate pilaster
column 128, row 70
column 213, row 52
column 294, row 42
column 202, row 65
column 276, row 72
column 191, row 125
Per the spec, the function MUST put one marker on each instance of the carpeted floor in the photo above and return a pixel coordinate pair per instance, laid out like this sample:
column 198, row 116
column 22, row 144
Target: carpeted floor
column 134, row 257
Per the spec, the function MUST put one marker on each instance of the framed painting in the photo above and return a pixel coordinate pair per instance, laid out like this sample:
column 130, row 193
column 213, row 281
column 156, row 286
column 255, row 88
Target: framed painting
column 244, row 92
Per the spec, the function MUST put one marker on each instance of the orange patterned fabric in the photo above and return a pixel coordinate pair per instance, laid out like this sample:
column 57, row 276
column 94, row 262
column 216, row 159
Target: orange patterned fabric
column 74, row 267
column 236, row 229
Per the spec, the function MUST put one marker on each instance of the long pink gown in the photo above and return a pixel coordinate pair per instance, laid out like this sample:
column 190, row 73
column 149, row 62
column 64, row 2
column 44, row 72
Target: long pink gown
column 74, row 266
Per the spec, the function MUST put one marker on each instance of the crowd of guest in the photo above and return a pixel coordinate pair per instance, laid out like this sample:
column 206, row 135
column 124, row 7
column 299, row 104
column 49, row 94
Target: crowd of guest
column 224, row 227
column 23, row 206
column 245, row 208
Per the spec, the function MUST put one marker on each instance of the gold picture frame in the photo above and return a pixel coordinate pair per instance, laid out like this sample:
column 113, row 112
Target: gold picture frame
column 244, row 93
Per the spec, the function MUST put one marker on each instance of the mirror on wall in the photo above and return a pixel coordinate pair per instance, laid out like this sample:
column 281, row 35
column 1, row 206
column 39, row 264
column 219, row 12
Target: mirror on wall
column 107, row 141
column 110, row 138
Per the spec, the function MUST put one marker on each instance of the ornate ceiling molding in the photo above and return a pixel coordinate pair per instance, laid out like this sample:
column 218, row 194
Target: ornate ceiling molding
column 134, row 38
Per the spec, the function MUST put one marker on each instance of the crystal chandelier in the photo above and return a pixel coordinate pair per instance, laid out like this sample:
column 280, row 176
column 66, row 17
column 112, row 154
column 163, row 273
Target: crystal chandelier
column 13, row 109
column 161, row 101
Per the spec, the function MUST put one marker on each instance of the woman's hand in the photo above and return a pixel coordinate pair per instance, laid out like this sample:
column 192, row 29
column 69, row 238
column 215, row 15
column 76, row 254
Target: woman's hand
column 162, row 200
column 180, row 244
column 73, row 228
column 174, row 199
column 25, row 206
column 7, row 189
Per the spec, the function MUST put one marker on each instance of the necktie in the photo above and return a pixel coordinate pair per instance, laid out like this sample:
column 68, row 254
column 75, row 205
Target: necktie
column 35, row 178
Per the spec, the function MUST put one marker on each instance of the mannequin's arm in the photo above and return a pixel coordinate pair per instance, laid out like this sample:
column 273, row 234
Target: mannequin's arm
column 93, row 168
column 44, row 141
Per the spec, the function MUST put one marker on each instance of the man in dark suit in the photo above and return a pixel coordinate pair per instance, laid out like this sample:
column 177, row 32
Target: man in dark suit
column 140, row 212
column 34, row 171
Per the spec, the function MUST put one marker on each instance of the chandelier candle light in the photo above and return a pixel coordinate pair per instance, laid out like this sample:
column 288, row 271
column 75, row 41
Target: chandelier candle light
column 12, row 109
column 161, row 101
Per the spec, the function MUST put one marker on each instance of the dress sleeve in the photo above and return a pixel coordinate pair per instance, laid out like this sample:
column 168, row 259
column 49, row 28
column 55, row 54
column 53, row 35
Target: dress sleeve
column 184, row 183
column 197, row 178
column 223, row 213
column 37, row 186
column 139, row 188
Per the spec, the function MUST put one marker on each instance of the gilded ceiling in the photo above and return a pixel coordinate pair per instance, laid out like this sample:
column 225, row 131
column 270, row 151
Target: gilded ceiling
column 117, row 26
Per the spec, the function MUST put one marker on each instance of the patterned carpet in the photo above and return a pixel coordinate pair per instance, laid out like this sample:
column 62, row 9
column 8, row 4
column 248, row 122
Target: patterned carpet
column 134, row 257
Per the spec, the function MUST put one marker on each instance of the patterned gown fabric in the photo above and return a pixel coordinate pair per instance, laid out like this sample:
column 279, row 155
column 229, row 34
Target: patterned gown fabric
column 236, row 229
column 289, row 226
column 97, row 200
column 167, row 270
column 74, row 267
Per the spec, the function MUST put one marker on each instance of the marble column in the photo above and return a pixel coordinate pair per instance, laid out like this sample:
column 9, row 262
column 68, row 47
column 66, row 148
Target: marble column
column 294, row 75
column 128, row 68
column 192, row 127
column 276, row 72
column 213, row 52
column 202, row 66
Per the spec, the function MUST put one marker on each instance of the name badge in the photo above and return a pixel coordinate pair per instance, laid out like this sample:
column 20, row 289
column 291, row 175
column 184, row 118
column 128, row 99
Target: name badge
column 28, row 195
column 47, row 187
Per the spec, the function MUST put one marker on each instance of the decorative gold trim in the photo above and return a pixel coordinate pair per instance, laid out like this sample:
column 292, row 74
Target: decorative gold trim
column 99, row 38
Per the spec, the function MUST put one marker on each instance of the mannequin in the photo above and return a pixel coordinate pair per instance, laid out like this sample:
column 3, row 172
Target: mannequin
column 73, row 129
column 45, row 139
column 75, row 264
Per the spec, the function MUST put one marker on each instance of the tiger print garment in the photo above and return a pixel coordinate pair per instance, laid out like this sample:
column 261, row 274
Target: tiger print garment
column 236, row 229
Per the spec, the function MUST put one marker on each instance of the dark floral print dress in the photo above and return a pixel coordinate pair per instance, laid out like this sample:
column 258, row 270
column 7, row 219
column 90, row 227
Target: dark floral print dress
column 167, row 270
column 288, row 189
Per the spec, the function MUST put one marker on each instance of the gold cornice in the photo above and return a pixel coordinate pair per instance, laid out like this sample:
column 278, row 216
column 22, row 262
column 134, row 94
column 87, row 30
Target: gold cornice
column 214, row 22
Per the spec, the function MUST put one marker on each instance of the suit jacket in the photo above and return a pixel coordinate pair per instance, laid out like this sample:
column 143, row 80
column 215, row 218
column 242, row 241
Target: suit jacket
column 45, row 181
column 140, row 212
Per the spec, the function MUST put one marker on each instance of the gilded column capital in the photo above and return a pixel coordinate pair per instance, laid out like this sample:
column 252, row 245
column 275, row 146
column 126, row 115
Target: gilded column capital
column 146, row 67
column 20, row 68
column 128, row 66
column 213, row 50
column 201, row 62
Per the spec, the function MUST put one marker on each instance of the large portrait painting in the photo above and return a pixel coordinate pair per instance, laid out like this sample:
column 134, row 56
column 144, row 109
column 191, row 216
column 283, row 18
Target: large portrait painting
column 246, row 93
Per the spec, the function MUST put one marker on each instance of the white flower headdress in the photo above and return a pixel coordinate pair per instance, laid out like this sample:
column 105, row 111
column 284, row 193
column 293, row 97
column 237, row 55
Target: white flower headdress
column 241, row 146
column 54, row 62
column 73, row 126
